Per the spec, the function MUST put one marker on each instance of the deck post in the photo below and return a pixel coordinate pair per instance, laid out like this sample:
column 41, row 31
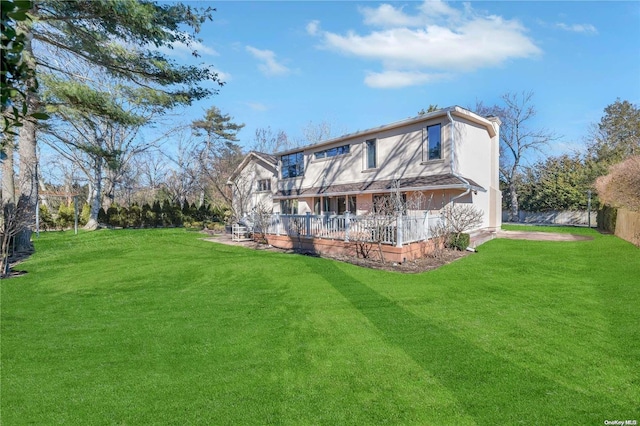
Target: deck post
column 347, row 226
column 307, row 225
column 399, row 231
column 425, row 226
column 278, row 224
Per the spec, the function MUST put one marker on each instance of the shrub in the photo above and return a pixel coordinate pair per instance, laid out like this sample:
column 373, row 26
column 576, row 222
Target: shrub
column 458, row 241
column 134, row 217
column 103, row 219
column 46, row 219
column 85, row 214
column 607, row 216
column 66, row 216
column 215, row 227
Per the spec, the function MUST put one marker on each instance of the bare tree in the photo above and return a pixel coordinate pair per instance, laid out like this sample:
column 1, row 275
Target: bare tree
column 261, row 221
column 378, row 225
column 517, row 139
column 621, row 187
column 269, row 141
column 313, row 133
column 15, row 217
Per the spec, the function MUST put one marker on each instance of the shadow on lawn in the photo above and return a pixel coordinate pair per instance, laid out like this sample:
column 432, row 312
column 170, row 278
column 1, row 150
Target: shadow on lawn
column 489, row 388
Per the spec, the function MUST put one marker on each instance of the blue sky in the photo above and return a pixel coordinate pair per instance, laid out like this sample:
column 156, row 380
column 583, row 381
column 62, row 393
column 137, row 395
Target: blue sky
column 361, row 64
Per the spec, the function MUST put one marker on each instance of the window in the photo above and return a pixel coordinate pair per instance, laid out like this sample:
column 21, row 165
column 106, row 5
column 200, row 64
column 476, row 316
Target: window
column 371, row 154
column 434, row 142
column 289, row 206
column 342, row 205
column 292, row 165
column 352, row 204
column 332, row 152
column 264, row 185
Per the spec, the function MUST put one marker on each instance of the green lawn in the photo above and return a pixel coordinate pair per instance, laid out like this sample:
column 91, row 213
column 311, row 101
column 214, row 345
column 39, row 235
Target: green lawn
column 158, row 327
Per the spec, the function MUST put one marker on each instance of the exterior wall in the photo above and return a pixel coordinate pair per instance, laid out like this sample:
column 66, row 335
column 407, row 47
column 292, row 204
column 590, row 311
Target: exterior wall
column 246, row 196
column 399, row 154
column 467, row 149
column 476, row 156
column 432, row 201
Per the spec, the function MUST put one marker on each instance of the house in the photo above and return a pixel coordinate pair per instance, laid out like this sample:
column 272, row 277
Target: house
column 442, row 157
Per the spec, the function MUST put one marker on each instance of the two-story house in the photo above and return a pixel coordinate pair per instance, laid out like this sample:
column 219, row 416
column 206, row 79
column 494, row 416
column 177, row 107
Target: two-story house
column 447, row 156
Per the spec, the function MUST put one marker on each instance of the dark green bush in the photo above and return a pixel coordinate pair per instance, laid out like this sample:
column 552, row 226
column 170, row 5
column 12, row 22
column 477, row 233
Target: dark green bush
column 607, row 216
column 102, row 217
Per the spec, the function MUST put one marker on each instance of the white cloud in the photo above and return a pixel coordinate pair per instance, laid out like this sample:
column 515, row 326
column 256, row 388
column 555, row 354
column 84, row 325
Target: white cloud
column 578, row 28
column 313, row 27
column 223, row 76
column 388, row 16
column 182, row 50
column 399, row 79
column 437, row 38
column 269, row 65
column 257, row 106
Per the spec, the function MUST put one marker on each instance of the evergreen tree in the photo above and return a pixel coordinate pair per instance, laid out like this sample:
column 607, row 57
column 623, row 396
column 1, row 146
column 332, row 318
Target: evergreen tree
column 616, row 137
column 119, row 38
column 218, row 155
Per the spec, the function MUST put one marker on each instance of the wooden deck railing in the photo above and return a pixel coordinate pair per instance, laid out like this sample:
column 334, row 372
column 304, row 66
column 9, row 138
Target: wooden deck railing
column 396, row 230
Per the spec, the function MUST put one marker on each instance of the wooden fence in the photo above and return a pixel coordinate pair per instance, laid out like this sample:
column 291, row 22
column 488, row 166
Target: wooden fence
column 628, row 226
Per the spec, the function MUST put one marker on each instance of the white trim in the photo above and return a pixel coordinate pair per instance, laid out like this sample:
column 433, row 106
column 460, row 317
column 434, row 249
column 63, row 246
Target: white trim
column 379, row 191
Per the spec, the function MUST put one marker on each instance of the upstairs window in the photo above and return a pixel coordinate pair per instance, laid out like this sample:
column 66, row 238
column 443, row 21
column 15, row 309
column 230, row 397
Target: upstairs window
column 264, row 185
column 434, row 142
column 332, row 152
column 292, row 165
column 371, row 154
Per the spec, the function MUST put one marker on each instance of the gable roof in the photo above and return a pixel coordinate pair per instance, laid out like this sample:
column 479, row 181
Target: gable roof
column 269, row 159
column 487, row 123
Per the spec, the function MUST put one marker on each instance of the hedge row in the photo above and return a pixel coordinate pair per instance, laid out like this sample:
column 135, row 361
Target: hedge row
column 157, row 215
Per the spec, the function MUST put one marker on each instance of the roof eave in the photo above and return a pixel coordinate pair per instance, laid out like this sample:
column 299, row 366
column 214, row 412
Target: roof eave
column 378, row 191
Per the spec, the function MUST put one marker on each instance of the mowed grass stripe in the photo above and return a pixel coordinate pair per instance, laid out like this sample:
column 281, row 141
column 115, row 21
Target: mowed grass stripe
column 157, row 326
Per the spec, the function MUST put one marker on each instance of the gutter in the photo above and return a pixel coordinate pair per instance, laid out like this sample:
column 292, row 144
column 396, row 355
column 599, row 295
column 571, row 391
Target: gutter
column 377, row 191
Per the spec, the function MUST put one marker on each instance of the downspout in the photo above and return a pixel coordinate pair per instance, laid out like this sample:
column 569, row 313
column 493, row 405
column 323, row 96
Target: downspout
column 466, row 182
column 453, row 153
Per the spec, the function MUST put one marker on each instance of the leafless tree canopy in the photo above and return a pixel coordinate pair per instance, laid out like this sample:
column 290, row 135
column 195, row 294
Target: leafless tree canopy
column 621, row 187
column 517, row 137
column 15, row 216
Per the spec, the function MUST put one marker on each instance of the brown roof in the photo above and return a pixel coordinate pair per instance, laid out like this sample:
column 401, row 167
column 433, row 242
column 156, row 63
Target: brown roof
column 416, row 183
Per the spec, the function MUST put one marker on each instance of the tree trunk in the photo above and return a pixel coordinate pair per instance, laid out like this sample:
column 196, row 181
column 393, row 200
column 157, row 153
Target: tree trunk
column 28, row 178
column 96, row 202
column 513, row 195
column 109, row 188
column 8, row 182
column 8, row 197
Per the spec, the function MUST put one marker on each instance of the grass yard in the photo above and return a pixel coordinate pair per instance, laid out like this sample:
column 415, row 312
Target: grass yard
column 158, row 327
